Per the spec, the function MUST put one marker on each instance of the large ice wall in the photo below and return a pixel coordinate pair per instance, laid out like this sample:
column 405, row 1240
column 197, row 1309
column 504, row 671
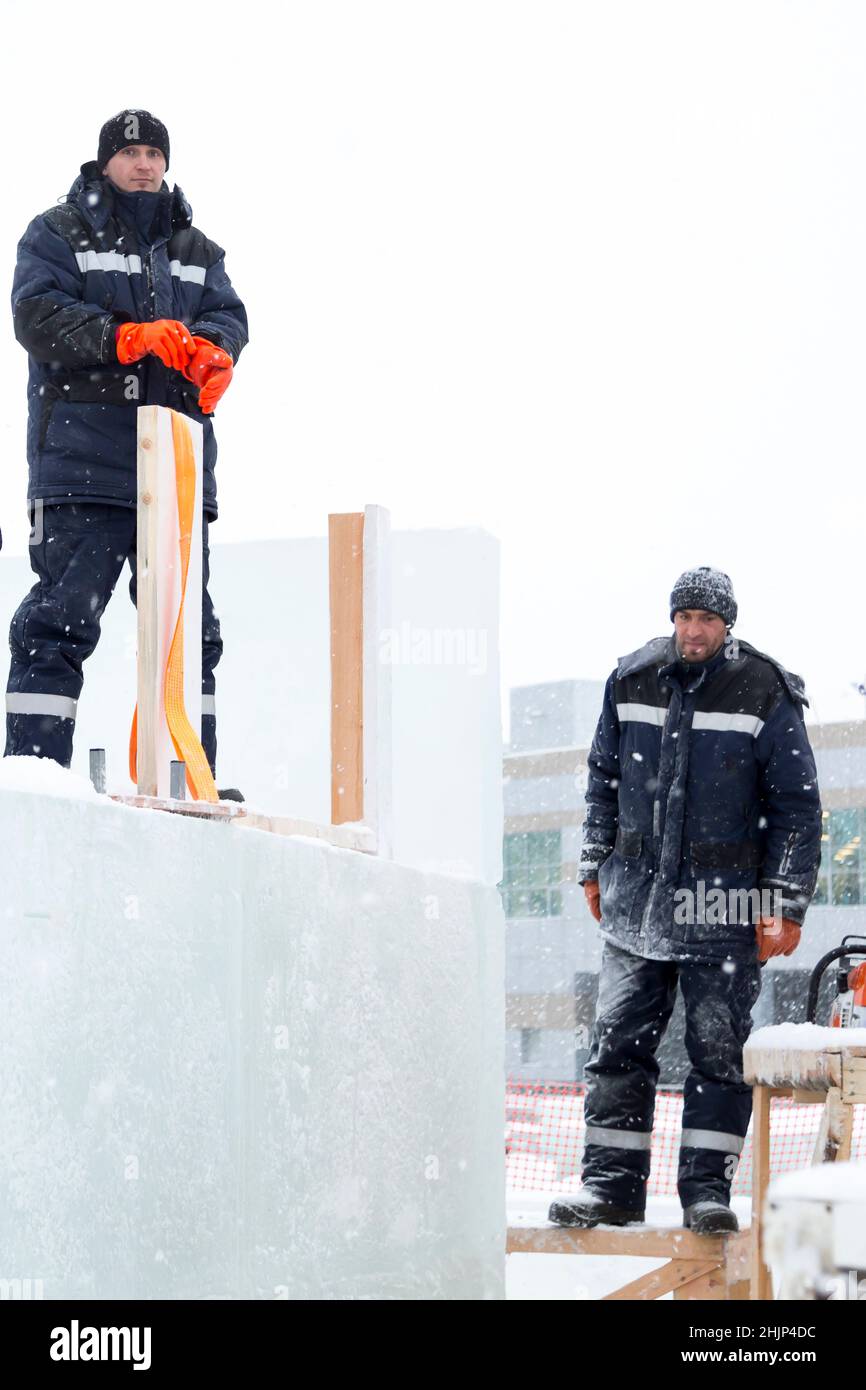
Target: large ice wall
column 241, row 1065
column 272, row 683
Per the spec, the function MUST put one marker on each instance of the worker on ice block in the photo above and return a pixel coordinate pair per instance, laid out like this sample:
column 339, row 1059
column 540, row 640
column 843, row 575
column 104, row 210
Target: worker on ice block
column 120, row 301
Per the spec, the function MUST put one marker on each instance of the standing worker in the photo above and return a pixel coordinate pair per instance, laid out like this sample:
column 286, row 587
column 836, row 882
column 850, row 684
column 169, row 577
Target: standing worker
column 120, row 302
column 700, row 854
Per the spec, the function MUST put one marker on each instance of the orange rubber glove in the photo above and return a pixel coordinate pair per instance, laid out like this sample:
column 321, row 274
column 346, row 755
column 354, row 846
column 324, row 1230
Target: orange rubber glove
column 211, row 369
column 167, row 339
column 777, row 936
column 204, row 361
column 216, row 384
column 592, row 892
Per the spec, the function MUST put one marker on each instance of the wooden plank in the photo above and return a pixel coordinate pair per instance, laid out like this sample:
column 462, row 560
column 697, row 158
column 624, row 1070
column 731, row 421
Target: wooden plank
column 738, row 1259
column 707, row 1285
column 147, row 601
column 651, row 1242
column 357, row 837
column 854, row 1079
column 761, row 1283
column 833, row 1141
column 202, row 810
column 658, row 1282
column 377, row 733
column 158, row 592
column 845, row 1131
column 346, row 596
column 813, row 1069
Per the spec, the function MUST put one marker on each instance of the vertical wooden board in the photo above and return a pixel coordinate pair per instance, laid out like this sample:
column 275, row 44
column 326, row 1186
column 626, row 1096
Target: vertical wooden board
column 346, row 598
column 761, row 1282
column 146, row 601
column 167, row 585
column 159, row 593
column 377, row 726
column 193, row 603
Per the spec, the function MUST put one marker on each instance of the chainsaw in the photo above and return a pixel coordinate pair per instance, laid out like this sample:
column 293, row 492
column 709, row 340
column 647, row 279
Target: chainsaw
column 849, row 1002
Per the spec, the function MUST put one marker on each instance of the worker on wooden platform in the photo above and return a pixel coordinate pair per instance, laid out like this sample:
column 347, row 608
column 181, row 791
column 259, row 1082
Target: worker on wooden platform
column 700, row 854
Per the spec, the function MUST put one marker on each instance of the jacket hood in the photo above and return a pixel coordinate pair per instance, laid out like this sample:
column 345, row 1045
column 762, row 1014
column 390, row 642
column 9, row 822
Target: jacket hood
column 663, row 650
column 650, row 654
column 93, row 193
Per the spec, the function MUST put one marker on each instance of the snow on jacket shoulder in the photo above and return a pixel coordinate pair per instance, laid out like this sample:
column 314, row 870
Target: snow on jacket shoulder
column 81, row 271
column 699, row 779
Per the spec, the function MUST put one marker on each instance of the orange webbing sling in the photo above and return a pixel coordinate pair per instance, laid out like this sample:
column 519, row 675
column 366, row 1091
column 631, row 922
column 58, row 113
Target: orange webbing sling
column 186, row 742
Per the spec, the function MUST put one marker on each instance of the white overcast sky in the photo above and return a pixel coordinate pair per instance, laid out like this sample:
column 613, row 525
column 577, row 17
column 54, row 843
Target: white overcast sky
column 591, row 276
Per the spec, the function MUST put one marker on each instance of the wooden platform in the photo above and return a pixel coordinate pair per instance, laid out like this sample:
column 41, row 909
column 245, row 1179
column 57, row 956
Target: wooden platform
column 698, row 1267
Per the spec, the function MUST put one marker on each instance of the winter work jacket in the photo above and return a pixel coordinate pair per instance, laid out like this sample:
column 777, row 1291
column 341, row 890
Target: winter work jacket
column 700, row 780
column 84, row 267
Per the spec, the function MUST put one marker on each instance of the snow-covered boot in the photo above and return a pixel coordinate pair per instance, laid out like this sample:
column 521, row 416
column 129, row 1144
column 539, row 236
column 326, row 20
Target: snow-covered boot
column 709, row 1216
column 591, row 1209
column 230, row 794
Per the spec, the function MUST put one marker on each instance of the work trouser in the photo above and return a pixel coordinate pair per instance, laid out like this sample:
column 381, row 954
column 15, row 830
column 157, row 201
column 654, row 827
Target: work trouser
column 636, row 998
column 78, row 557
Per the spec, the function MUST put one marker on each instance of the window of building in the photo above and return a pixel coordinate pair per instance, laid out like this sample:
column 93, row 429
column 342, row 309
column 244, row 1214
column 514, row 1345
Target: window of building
column 533, row 870
column 842, row 876
column 530, row 1044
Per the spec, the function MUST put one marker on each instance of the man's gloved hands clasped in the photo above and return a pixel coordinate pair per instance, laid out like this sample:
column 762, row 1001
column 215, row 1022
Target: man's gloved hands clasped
column 200, row 361
column 592, row 892
column 167, row 339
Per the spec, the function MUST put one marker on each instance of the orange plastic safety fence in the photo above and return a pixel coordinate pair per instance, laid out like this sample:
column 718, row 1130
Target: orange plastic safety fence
column 545, row 1135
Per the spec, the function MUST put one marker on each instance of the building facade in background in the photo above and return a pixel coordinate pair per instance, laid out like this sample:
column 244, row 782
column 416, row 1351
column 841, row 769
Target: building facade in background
column 553, row 943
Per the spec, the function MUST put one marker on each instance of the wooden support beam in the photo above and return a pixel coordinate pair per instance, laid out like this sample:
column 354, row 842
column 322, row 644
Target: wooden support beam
column 346, row 594
column 761, row 1282
column 670, row 1277
column 703, row 1285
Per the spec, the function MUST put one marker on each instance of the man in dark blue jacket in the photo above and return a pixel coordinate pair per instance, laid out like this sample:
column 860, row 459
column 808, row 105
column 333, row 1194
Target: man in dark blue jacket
column 120, row 301
column 701, row 847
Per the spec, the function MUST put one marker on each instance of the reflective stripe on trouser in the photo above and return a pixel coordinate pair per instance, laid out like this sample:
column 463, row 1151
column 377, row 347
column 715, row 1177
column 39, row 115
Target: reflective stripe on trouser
column 717, row 1103
column 78, row 560
column 635, row 1001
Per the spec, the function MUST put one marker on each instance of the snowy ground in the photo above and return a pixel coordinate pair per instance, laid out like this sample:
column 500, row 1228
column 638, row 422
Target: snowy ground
column 584, row 1276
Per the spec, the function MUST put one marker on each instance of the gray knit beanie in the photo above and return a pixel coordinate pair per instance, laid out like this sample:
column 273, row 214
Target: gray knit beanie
column 707, row 589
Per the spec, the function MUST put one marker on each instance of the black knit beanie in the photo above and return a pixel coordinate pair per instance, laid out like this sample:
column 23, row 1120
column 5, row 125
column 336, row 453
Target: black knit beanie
column 131, row 127
column 708, row 589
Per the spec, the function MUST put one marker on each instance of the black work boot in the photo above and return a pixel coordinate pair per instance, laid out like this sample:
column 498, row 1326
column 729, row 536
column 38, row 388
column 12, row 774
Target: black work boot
column 709, row 1216
column 229, row 794
column 591, row 1209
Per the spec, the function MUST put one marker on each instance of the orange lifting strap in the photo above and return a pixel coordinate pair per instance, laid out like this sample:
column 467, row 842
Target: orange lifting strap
column 186, row 742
